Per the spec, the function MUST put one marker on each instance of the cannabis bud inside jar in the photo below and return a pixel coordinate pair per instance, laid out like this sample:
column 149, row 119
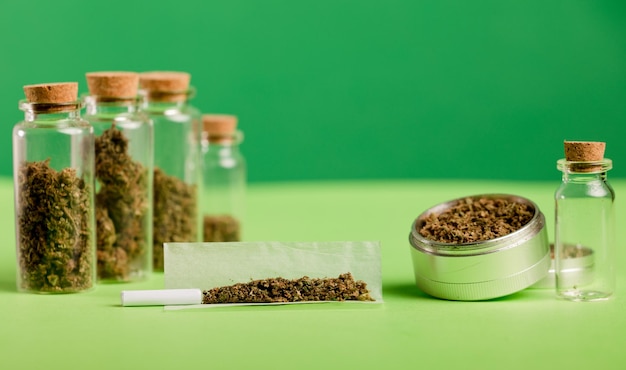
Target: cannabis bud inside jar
column 224, row 178
column 177, row 169
column 124, row 150
column 53, row 166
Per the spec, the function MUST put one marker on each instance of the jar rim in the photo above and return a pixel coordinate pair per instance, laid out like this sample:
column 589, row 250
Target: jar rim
column 588, row 167
column 167, row 96
column 234, row 138
column 111, row 100
column 37, row 107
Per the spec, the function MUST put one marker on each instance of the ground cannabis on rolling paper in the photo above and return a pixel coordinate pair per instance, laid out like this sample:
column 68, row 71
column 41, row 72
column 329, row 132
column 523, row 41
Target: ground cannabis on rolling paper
column 276, row 290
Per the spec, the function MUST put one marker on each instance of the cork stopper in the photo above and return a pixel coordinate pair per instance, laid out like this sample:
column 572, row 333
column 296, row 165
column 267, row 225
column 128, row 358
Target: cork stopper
column 584, row 151
column 52, row 93
column 113, row 84
column 165, row 81
column 219, row 124
column 219, row 128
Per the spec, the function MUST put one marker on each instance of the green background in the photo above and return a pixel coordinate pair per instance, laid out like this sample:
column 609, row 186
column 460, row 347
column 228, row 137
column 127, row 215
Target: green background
column 347, row 89
column 400, row 90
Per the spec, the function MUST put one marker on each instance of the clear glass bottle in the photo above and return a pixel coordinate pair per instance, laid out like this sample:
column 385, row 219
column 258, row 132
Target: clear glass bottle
column 53, row 172
column 584, row 235
column 124, row 169
column 177, row 169
column 224, row 179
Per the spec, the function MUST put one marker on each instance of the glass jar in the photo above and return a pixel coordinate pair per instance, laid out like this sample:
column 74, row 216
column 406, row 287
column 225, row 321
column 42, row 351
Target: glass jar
column 124, row 170
column 224, row 179
column 53, row 172
column 177, row 169
column 584, row 235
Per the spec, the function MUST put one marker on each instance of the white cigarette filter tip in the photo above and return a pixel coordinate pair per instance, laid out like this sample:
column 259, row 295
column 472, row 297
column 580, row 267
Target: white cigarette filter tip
column 163, row 297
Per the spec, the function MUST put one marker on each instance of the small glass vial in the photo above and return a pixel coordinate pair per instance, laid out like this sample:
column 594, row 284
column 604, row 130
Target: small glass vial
column 124, row 170
column 224, row 179
column 177, row 169
column 585, row 225
column 53, row 172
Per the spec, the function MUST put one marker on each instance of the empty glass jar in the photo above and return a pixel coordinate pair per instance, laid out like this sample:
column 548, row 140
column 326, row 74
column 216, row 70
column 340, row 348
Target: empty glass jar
column 585, row 228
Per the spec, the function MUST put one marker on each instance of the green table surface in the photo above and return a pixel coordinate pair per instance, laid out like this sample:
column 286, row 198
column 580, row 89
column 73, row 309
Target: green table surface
column 530, row 329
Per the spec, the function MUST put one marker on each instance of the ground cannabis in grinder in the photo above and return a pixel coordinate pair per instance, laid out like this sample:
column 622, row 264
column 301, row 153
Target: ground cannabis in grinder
column 122, row 206
column 472, row 220
column 54, row 225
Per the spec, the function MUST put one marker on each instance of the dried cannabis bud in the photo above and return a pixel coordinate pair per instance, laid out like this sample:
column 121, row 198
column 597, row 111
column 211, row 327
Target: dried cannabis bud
column 174, row 213
column 223, row 228
column 122, row 207
column 472, row 220
column 343, row 288
column 53, row 218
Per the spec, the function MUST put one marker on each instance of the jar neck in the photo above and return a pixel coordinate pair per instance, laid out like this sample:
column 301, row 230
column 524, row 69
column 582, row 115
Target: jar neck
column 582, row 178
column 160, row 101
column 110, row 106
column 574, row 171
column 225, row 140
column 50, row 112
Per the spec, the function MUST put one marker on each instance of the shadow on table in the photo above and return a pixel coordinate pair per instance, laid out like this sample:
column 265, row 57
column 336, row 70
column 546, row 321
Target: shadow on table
column 405, row 290
column 409, row 290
